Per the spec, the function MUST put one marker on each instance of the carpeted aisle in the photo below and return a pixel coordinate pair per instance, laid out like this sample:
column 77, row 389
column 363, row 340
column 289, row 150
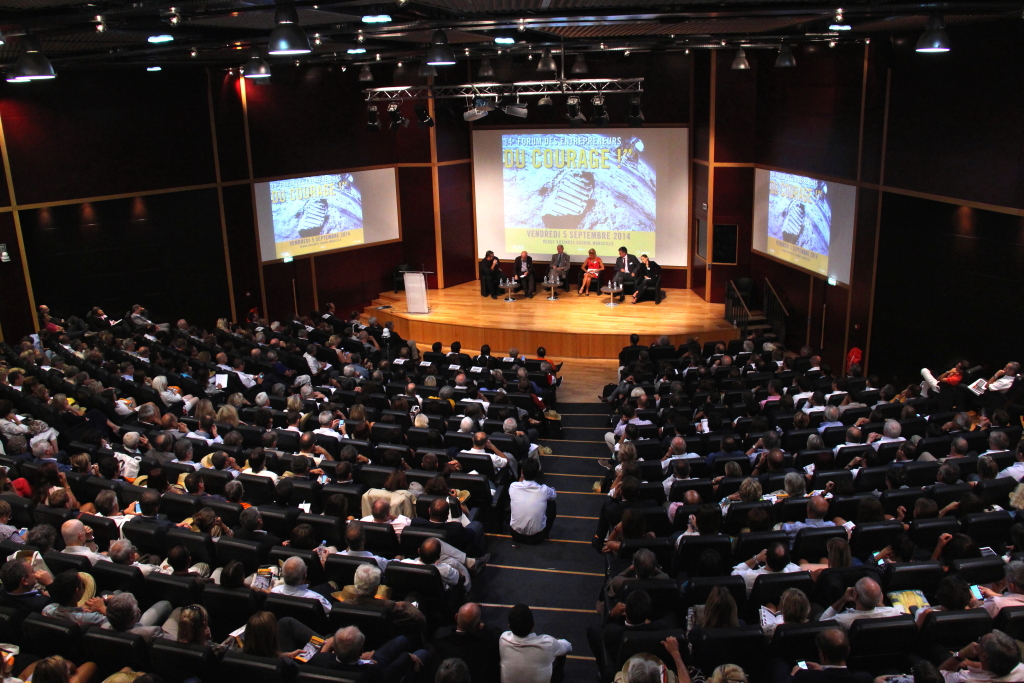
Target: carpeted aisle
column 561, row 578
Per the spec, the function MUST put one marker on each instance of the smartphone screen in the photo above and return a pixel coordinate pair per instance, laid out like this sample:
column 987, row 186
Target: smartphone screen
column 976, row 592
column 802, row 665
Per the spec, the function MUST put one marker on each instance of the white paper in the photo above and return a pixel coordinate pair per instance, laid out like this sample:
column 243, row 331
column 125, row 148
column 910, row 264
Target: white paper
column 222, row 381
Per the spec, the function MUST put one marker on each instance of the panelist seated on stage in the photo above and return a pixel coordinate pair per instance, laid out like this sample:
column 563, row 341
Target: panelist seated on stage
column 522, row 272
column 559, row 267
column 490, row 274
column 626, row 267
column 592, row 269
column 646, row 276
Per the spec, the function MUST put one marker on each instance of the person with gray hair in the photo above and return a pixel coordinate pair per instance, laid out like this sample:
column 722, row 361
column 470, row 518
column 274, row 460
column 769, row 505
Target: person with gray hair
column 390, row 662
column 124, row 616
column 890, row 434
column 1013, row 596
column 866, row 596
column 294, row 574
column 328, row 422
column 676, row 450
column 996, row 652
column 830, row 418
column 124, row 553
column 262, row 400
column 467, row 426
column 452, row 670
column 130, row 443
column 363, row 591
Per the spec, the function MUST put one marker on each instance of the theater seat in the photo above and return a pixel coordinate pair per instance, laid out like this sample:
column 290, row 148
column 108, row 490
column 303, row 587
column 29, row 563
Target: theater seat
column 744, row 646
column 314, row 674
column 796, row 642
column 179, row 590
column 922, row 576
column 112, row 650
column 372, row 620
column 768, row 588
column 955, row 628
column 246, row 552
column 309, row 611
column 980, row 569
column 870, row 537
column 664, row 595
column 237, row 666
column 749, row 543
column 45, row 637
column 1010, row 621
column 314, row 569
column 404, row 578
column 112, row 577
column 811, row 542
column 200, row 546
column 229, row 609
column 697, row 590
column 880, row 644
column 177, row 662
column 988, row 529
column 691, row 547
column 925, row 532
column 62, row 562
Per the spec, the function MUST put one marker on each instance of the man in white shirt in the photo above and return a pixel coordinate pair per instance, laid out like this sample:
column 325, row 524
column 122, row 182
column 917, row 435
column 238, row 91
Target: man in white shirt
column 1014, row 595
column 483, row 446
column 1004, row 379
column 327, row 424
column 315, row 366
column 1016, row 470
column 124, row 553
column 890, row 433
column 533, row 506
column 866, row 597
column 680, row 472
column 381, row 509
column 247, row 380
column 998, row 657
column 355, row 539
column 628, row 417
column 853, row 438
column 294, row 574
column 525, row 656
column 776, row 559
column 77, row 540
column 449, row 568
column 222, row 362
column 676, row 450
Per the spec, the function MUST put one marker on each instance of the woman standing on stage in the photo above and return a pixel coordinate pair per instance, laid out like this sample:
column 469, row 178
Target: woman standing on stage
column 592, row 268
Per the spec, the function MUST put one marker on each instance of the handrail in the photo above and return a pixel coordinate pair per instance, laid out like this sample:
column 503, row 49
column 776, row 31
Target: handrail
column 740, row 297
column 778, row 298
column 737, row 315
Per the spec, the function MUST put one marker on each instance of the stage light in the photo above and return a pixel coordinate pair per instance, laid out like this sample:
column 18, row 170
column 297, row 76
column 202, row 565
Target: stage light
column 600, row 117
column 153, row 68
column 839, row 24
column 440, row 53
column 360, row 38
column 32, row 64
column 580, row 65
column 101, row 25
column 831, row 281
column 2, row 39
column 372, row 120
column 785, row 58
column 545, row 103
column 934, row 38
column 636, row 116
column 486, row 70
column 427, row 70
column 626, row 53
column 317, row 40
column 575, row 116
column 832, row 43
column 740, row 60
column 518, row 110
column 161, row 38
column 193, row 53
column 396, row 116
column 423, row 116
column 485, row 104
column 356, row 50
column 399, row 71
column 376, row 18
column 288, row 38
column 365, row 75
column 547, row 62
column 522, row 25
column 174, row 19
column 474, row 113
column 505, row 38
column 256, row 67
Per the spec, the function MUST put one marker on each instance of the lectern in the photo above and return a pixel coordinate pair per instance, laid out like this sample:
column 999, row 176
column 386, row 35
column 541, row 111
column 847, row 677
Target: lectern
column 416, row 291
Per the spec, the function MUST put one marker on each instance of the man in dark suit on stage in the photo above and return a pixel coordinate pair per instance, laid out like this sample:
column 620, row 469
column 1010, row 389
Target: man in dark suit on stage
column 626, row 267
column 490, row 274
column 523, row 273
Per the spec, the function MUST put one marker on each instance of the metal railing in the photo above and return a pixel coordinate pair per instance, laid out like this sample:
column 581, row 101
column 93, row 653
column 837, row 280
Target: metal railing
column 736, row 310
column 774, row 311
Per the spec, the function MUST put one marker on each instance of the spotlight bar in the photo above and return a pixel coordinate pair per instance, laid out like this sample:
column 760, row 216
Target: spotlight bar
column 594, row 86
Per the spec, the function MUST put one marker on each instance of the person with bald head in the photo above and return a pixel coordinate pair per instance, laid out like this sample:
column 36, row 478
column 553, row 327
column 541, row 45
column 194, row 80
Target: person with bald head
column 676, row 451
column 866, row 596
column 817, row 511
column 294, row 574
column 483, row 446
column 450, row 569
column 78, row 541
column 472, row 641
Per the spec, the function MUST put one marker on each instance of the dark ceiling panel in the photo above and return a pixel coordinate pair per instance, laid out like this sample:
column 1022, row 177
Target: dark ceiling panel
column 697, row 27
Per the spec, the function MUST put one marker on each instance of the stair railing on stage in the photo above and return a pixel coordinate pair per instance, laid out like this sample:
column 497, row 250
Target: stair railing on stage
column 774, row 311
column 736, row 310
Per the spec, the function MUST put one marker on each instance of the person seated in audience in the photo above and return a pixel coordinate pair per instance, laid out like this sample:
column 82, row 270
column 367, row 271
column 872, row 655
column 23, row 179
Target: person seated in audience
column 1016, row 470
column 626, row 496
column 122, row 552
column 257, row 464
column 1012, row 596
column 829, row 419
column 364, row 591
column 250, row 528
column 632, row 527
column 8, row 532
column 68, row 589
column 995, row 657
column 124, row 616
column 56, row 669
column 355, row 540
column 465, row 538
column 24, row 588
column 343, row 652
column 644, row 567
column 179, row 560
column 833, row 650
column 676, row 450
column 294, row 574
column 719, row 612
column 793, row 608
column 729, row 448
column 527, row 657
column 817, row 509
column 707, row 521
column 381, row 514
column 499, row 459
column 452, row 571
column 890, row 433
column 775, row 559
column 628, row 417
column 837, row 557
column 78, row 541
column 680, row 472
column 267, row 636
column 605, row 639
column 866, row 596
column 471, row 643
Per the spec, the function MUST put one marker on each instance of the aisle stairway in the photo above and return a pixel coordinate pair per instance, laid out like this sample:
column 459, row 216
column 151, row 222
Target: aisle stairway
column 561, row 578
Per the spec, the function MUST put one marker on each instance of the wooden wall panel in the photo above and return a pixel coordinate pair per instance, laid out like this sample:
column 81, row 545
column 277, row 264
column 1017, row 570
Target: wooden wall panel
column 736, row 106
column 456, row 190
column 701, row 65
column 352, row 279
column 734, row 205
column 245, row 262
column 417, row 208
column 16, row 315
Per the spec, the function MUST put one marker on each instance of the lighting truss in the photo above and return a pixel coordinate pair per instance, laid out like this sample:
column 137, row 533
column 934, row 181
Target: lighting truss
column 604, row 86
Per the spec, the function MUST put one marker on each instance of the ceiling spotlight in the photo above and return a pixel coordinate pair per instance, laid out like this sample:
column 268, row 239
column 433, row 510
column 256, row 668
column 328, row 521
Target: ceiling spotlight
column 378, row 56
column 356, row 50
column 399, row 71
column 473, row 113
column 161, row 38
column 522, row 25
column 365, row 75
column 840, row 27
column 687, row 50
column 505, row 38
column 376, row 18
column 193, row 53
column 153, row 68
column 427, row 70
column 831, row 43
column 101, row 25
column 298, row 62
column 2, row 41
column 174, row 19
column 360, row 37
column 256, row 67
column 785, row 58
column 635, row 118
column 440, row 53
column 934, row 38
column 740, row 60
column 626, row 53
column 518, row 109
column 546, row 103
column 423, row 116
column 486, row 70
column 580, row 65
column 600, row 117
column 316, row 39
column 529, row 57
column 372, row 120
column 575, row 116
column 547, row 62
column 288, row 38
column 602, row 46
column 396, row 116
column 32, row 64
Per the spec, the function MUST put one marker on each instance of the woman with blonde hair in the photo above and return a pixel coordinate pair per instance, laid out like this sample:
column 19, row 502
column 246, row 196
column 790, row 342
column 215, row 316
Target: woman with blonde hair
column 204, row 408
column 193, row 625
column 728, row 673
column 750, row 491
column 56, row 669
column 172, row 395
column 719, row 612
column 592, row 268
column 228, row 415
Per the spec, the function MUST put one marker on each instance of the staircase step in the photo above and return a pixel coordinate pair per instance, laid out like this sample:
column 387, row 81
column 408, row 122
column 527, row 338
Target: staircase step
column 759, row 326
column 756, row 314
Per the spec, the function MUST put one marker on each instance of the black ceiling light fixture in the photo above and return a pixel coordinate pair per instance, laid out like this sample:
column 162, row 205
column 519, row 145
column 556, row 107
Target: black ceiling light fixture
column 486, row 70
column 516, row 109
column 474, row 113
column 32, row 64
column 427, row 70
column 372, row 120
column 288, row 38
column 440, row 52
column 395, row 112
column 740, row 60
column 934, row 38
column 574, row 114
column 545, row 103
column 423, row 116
column 256, row 67
column 600, row 117
column 547, row 62
column 636, row 115
column 365, row 75
column 785, row 58
column 580, row 65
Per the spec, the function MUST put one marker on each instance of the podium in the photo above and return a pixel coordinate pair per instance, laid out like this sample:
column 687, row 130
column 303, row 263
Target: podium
column 416, row 291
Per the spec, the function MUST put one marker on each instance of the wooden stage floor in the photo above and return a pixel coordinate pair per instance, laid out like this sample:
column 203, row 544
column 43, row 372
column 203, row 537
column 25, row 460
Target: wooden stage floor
column 572, row 327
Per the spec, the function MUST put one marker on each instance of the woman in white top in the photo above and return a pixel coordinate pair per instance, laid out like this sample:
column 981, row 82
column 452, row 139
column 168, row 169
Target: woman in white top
column 172, row 395
column 35, row 430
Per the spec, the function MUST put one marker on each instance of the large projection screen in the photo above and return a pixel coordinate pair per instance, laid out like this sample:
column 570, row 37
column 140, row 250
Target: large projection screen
column 600, row 189
column 805, row 222
column 314, row 214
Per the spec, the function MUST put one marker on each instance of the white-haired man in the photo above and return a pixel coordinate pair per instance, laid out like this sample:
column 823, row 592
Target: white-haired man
column 866, row 596
column 294, row 574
